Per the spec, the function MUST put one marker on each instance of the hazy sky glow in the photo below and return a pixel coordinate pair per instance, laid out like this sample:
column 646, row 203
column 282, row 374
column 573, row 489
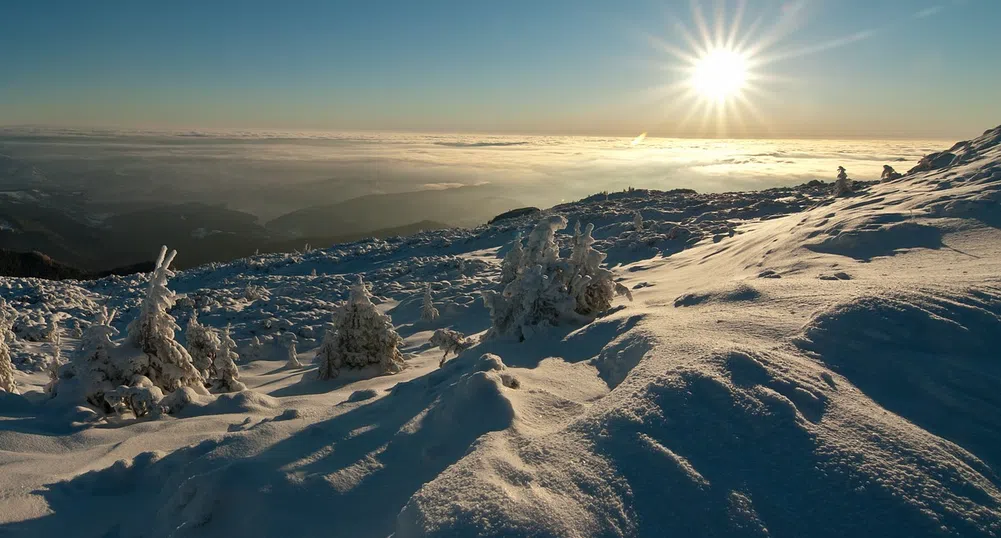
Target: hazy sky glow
column 848, row 68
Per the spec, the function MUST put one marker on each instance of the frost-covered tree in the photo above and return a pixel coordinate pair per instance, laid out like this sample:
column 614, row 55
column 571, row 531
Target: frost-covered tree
column 98, row 371
column 203, row 344
column 843, row 185
column 428, row 311
column 591, row 285
column 450, row 341
column 542, row 248
column 56, row 342
column 167, row 364
column 226, row 376
column 889, row 174
column 293, row 354
column 360, row 336
column 256, row 350
column 637, row 221
column 512, row 262
column 7, row 383
column 548, row 290
column 76, row 330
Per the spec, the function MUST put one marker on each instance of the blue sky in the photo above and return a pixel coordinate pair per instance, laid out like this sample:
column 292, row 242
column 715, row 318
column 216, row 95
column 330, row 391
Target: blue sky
column 861, row 68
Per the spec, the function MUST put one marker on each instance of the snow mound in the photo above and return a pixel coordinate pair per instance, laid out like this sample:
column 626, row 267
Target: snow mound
column 931, row 357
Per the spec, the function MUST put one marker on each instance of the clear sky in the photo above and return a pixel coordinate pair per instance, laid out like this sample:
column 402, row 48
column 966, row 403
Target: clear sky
column 834, row 68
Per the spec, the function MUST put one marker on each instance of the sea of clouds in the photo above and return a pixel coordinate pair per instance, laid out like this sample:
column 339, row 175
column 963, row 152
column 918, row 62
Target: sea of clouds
column 271, row 172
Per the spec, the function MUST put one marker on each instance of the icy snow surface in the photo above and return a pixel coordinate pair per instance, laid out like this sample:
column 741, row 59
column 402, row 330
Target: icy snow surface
column 791, row 365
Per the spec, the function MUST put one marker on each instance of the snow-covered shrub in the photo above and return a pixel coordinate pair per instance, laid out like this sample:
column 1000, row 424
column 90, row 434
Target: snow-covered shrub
column 547, row 290
column 591, row 285
column 293, row 354
column 428, row 311
column 142, row 398
column 637, row 221
column 889, row 174
column 843, row 185
column 361, row 336
column 226, row 376
column 256, row 293
column 166, row 363
column 256, row 350
column 203, row 344
column 75, row 329
column 7, row 383
column 450, row 341
column 512, row 262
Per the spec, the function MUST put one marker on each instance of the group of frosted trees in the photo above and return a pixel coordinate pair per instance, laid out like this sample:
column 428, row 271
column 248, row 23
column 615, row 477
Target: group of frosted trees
column 539, row 289
column 151, row 362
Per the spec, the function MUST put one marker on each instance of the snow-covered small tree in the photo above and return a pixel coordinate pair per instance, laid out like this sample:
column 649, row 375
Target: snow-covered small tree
column 591, row 285
column 293, row 354
column 256, row 350
column 226, row 376
column 94, row 364
column 203, row 344
column 450, row 341
column 889, row 174
column 7, row 383
column 167, row 364
column 512, row 262
column 76, row 330
column 637, row 221
column 843, row 185
column 542, row 248
column 428, row 311
column 56, row 342
column 361, row 336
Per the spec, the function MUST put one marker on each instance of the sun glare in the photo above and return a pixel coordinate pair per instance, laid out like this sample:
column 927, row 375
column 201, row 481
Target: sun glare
column 720, row 74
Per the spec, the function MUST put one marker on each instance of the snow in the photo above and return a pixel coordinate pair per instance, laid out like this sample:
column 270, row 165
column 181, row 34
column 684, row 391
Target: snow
column 792, row 364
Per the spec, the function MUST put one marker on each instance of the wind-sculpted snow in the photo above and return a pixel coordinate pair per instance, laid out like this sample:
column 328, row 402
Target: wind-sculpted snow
column 792, row 364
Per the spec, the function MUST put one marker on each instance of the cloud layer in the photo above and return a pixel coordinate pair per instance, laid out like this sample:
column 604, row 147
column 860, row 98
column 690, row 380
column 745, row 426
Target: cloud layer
column 269, row 172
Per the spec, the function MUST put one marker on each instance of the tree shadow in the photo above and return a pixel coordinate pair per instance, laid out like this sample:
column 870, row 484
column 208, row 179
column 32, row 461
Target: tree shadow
column 349, row 475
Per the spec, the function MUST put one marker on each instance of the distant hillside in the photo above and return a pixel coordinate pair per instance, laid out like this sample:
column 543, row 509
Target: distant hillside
column 462, row 206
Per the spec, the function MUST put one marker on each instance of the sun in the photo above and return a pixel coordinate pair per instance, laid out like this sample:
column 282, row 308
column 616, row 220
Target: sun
column 720, row 74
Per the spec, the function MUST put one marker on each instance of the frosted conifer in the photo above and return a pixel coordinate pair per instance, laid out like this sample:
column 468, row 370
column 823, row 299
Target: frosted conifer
column 7, row 382
column 226, row 376
column 203, row 344
column 100, row 374
column 843, row 185
column 293, row 354
column 512, row 262
column 168, row 365
column 361, row 336
column 428, row 311
column 638, row 221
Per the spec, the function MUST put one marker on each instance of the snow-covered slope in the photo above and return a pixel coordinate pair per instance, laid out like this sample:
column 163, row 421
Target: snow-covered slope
column 791, row 365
